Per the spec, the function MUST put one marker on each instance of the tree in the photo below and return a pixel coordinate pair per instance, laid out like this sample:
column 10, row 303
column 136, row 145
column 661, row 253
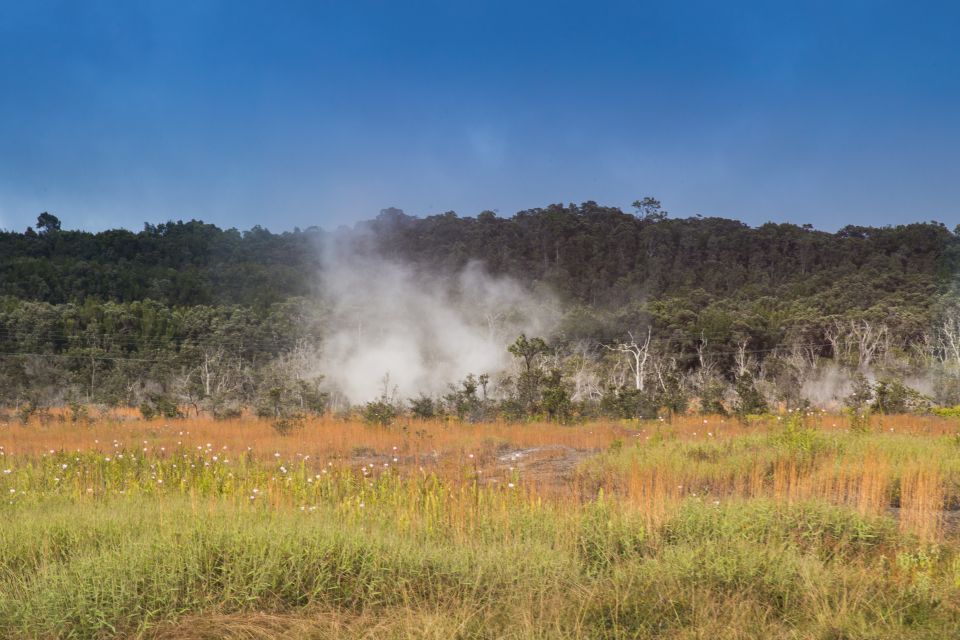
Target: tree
column 858, row 341
column 423, row 407
column 892, row 396
column 48, row 223
column 638, row 355
column 530, row 381
column 556, row 397
column 649, row 209
column 528, row 349
column 464, row 401
column 860, row 395
column 749, row 399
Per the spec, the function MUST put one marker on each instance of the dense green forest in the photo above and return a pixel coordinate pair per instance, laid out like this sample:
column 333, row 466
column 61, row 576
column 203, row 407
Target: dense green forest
column 732, row 316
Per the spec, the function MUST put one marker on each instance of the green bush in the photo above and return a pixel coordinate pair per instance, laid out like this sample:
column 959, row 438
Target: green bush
column 379, row 412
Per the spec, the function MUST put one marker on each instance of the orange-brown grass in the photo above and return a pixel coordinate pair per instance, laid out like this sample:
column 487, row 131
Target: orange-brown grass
column 324, row 437
column 543, row 457
column 921, row 502
column 329, row 436
column 900, row 465
column 714, row 426
column 870, row 485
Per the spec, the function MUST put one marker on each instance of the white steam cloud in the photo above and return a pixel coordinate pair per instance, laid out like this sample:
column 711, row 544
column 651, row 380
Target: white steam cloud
column 422, row 330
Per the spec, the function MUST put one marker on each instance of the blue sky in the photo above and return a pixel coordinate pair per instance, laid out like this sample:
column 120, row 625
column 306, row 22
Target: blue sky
column 321, row 113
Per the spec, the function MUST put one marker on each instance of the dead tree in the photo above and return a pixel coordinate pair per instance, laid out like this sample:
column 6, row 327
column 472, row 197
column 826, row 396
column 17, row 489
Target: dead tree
column 948, row 340
column 637, row 355
column 862, row 341
column 743, row 359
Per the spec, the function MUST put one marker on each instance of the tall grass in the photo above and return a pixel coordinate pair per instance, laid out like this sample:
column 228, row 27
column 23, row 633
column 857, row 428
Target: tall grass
column 134, row 567
column 767, row 530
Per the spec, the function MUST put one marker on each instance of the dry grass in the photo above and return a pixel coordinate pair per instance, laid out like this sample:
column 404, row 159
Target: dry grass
column 650, row 465
column 195, row 528
column 330, row 437
column 320, row 624
column 325, row 437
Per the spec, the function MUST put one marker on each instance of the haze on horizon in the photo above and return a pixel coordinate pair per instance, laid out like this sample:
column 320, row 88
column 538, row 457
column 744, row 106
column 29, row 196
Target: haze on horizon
column 115, row 113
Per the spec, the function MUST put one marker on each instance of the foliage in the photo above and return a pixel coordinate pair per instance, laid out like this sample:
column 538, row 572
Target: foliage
column 711, row 398
column 627, row 402
column 288, row 424
column 947, row 412
column 556, row 398
column 422, row 407
column 749, row 399
column 465, row 402
column 216, row 318
column 160, row 406
column 892, row 396
column 861, row 394
column 859, row 419
column 799, row 440
column 380, row 412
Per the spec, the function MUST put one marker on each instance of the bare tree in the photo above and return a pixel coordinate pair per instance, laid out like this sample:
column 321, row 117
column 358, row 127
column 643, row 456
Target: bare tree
column 860, row 341
column 637, row 355
column 707, row 363
column 665, row 367
column 583, row 373
column 947, row 340
column 743, row 359
column 218, row 373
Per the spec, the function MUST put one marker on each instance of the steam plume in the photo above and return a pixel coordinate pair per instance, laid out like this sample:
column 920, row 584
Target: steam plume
column 424, row 330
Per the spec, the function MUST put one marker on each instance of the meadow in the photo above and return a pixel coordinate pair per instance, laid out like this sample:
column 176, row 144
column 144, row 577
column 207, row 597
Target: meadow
column 781, row 526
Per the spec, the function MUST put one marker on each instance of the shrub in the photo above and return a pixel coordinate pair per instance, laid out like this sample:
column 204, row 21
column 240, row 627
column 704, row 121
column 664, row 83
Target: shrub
column 26, row 410
column 379, row 412
column 288, row 424
column 947, row 412
column 160, row 406
column 423, row 407
column 859, row 419
column 798, row 440
column 892, row 396
column 750, row 401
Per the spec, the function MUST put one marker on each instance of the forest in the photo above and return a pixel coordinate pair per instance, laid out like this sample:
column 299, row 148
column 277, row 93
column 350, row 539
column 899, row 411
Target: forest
column 654, row 315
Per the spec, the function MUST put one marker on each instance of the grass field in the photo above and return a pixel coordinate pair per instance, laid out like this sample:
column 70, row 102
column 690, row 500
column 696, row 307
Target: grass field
column 784, row 527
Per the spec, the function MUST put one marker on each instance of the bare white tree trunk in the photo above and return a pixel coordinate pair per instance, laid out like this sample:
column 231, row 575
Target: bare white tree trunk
column 948, row 340
column 707, row 364
column 742, row 358
column 871, row 339
column 637, row 356
column 859, row 341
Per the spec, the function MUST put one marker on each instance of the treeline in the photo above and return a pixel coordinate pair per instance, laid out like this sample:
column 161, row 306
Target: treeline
column 592, row 255
column 659, row 313
column 605, row 258
column 175, row 263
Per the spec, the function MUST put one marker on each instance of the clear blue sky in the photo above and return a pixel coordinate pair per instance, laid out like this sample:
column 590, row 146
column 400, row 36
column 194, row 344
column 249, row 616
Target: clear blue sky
column 292, row 114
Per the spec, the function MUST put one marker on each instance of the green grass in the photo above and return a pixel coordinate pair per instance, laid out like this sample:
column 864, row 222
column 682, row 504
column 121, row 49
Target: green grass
column 712, row 465
column 100, row 548
column 132, row 567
